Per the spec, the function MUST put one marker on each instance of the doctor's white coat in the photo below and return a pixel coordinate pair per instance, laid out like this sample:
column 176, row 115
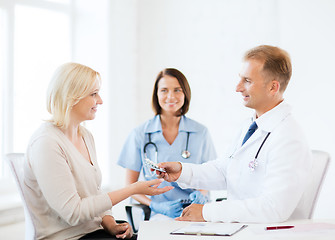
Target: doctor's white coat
column 270, row 193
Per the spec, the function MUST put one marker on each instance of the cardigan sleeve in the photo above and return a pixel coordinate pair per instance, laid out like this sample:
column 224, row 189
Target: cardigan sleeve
column 58, row 186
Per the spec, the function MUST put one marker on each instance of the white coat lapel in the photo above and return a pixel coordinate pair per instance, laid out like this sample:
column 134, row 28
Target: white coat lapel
column 254, row 137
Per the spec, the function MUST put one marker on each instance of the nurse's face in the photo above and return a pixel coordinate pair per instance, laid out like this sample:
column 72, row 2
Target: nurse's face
column 86, row 108
column 170, row 95
column 254, row 86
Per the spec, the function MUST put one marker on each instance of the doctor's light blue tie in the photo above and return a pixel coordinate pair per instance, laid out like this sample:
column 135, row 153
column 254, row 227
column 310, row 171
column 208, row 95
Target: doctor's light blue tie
column 251, row 131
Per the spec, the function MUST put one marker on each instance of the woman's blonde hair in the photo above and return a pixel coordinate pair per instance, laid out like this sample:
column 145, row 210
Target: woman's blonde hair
column 70, row 83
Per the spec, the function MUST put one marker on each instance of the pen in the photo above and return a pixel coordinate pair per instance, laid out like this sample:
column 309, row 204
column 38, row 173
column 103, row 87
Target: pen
column 278, row 227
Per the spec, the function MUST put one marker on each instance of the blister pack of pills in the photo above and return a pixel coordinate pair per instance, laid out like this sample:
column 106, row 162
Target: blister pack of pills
column 152, row 165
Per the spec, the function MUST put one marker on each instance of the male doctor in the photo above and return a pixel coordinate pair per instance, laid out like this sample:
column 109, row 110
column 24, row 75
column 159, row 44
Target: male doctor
column 267, row 168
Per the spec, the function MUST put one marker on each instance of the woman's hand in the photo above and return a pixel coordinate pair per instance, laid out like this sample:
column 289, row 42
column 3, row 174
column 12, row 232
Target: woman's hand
column 120, row 230
column 150, row 187
column 173, row 171
column 143, row 187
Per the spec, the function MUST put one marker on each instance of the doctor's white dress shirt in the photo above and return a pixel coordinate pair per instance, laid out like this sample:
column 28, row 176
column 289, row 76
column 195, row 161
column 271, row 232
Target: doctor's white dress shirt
column 270, row 193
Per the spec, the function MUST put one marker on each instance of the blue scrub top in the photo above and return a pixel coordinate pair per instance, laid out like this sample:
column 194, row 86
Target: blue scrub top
column 200, row 146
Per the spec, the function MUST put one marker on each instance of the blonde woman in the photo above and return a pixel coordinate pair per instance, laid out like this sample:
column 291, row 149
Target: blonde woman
column 62, row 175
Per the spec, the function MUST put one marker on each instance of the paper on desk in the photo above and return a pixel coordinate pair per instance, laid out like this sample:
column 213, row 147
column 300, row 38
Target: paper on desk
column 218, row 229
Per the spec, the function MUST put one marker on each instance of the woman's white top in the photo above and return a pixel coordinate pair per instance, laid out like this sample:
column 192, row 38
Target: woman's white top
column 62, row 187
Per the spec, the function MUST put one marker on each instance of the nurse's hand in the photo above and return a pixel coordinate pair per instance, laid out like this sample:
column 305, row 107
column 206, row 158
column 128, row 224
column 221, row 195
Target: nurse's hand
column 198, row 197
column 150, row 187
column 173, row 171
column 172, row 209
column 192, row 213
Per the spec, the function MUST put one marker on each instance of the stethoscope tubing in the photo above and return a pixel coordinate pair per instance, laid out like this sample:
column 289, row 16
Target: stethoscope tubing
column 185, row 153
column 259, row 149
column 253, row 164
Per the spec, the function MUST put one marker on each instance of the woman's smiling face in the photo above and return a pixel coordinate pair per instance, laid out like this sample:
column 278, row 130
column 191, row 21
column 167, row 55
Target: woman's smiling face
column 170, row 95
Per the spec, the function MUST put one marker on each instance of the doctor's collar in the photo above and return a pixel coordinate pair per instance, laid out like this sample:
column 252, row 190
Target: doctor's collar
column 269, row 120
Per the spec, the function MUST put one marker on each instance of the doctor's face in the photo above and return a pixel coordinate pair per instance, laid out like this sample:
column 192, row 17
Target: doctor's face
column 86, row 108
column 254, row 86
column 170, row 95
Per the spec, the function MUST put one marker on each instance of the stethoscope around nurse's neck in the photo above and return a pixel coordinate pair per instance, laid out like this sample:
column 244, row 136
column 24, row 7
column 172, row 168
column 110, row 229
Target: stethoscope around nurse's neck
column 185, row 154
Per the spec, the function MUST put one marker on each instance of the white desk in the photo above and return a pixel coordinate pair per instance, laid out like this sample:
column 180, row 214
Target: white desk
column 303, row 230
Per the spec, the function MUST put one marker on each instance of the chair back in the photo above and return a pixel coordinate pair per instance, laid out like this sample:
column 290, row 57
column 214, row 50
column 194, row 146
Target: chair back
column 320, row 162
column 16, row 161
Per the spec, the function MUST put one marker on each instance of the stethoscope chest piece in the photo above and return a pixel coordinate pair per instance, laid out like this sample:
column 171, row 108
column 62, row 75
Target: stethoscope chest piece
column 253, row 165
column 185, row 154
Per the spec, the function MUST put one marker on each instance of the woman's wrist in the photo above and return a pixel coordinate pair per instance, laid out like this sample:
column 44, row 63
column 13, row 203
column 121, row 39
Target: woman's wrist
column 132, row 188
column 108, row 222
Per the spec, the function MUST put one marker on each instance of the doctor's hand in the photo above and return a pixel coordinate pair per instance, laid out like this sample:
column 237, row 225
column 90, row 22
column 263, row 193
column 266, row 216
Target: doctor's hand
column 198, row 197
column 150, row 187
column 173, row 171
column 171, row 209
column 192, row 213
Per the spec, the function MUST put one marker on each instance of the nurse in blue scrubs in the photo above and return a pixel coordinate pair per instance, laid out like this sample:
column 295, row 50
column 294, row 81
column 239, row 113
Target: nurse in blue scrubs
column 169, row 136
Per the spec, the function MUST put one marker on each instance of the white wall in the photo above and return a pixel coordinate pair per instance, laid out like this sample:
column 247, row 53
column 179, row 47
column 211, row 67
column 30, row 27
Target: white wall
column 90, row 45
column 205, row 39
column 307, row 32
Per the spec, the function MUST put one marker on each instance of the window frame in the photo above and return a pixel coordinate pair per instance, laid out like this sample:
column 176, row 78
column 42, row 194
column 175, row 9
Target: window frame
column 7, row 77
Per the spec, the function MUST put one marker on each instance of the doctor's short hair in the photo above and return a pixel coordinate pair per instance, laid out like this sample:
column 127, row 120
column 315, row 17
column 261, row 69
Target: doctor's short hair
column 277, row 63
column 70, row 83
column 172, row 72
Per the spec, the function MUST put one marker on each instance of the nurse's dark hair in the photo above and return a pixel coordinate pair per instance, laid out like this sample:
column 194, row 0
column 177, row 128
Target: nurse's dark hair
column 172, row 72
column 277, row 63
